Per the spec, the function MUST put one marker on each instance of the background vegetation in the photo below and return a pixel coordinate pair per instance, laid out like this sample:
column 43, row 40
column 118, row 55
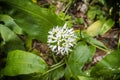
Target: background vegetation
column 24, row 26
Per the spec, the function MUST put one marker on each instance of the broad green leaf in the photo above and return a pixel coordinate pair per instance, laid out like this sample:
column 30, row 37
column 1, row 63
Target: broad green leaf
column 33, row 19
column 94, row 29
column 108, row 67
column 12, row 41
column 82, row 54
column 9, row 22
column 106, row 26
column 57, row 74
column 21, row 62
column 97, row 43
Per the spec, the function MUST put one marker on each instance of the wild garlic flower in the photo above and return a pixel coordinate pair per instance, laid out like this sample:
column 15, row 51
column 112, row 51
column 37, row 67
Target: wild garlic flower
column 61, row 39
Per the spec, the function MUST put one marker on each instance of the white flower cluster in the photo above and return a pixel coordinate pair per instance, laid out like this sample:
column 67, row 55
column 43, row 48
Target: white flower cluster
column 61, row 39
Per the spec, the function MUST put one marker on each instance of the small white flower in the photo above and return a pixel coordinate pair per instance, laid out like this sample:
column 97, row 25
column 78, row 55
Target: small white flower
column 61, row 39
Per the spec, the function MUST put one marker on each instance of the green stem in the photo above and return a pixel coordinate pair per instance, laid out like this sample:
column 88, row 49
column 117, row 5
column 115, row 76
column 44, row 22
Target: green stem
column 68, row 6
column 57, row 64
column 54, row 58
column 61, row 63
column 53, row 69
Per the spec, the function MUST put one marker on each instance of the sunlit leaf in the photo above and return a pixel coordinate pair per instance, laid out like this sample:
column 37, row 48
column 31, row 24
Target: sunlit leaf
column 9, row 22
column 35, row 1
column 11, row 40
column 94, row 29
column 108, row 68
column 106, row 26
column 21, row 62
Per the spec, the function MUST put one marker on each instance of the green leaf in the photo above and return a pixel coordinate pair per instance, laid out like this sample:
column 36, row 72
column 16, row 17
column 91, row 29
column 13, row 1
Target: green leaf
column 108, row 68
column 21, row 62
column 95, row 13
column 9, row 22
column 33, row 19
column 94, row 29
column 12, row 41
column 79, row 20
column 103, row 2
column 45, row 77
column 57, row 74
column 91, row 13
column 82, row 54
column 86, row 78
column 96, row 43
column 67, row 18
column 106, row 26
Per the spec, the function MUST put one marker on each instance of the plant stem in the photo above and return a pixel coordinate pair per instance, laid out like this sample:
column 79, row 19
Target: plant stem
column 68, row 6
column 54, row 58
column 53, row 68
column 57, row 64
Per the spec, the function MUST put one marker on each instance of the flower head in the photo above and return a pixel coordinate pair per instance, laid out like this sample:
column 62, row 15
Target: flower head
column 61, row 39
